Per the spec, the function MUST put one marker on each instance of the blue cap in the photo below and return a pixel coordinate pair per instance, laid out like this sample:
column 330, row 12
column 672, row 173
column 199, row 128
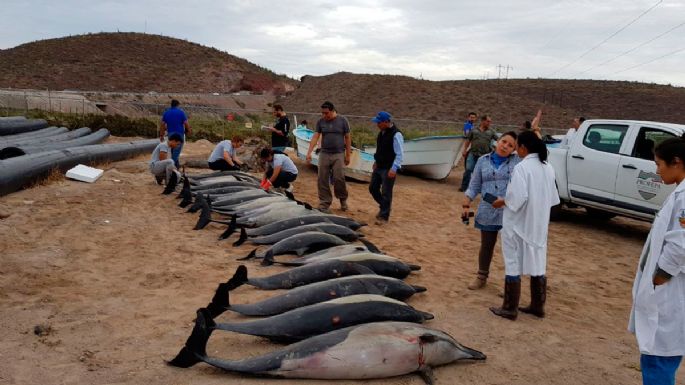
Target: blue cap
column 382, row 117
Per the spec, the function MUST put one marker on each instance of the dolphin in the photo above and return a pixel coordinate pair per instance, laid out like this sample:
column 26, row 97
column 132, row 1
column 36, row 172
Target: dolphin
column 309, row 294
column 304, row 322
column 304, row 275
column 342, row 232
column 380, row 264
column 372, row 350
column 304, row 220
column 298, row 244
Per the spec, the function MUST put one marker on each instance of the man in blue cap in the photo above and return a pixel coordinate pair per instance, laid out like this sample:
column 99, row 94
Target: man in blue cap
column 388, row 159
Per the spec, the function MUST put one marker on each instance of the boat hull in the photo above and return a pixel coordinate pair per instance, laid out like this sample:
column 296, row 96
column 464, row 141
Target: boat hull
column 361, row 163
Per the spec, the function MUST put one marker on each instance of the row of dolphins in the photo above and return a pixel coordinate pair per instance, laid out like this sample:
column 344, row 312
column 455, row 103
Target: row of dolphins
column 342, row 313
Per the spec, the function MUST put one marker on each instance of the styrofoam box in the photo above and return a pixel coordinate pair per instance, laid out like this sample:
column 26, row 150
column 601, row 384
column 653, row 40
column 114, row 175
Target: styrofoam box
column 85, row 173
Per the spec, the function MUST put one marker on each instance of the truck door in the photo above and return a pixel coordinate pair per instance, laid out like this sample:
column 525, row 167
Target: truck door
column 592, row 163
column 638, row 187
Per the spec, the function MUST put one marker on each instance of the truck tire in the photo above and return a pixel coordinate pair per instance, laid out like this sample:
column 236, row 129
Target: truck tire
column 555, row 212
column 599, row 214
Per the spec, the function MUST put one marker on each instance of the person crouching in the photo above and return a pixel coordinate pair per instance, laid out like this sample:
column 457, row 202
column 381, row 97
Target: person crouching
column 280, row 169
column 162, row 166
column 223, row 157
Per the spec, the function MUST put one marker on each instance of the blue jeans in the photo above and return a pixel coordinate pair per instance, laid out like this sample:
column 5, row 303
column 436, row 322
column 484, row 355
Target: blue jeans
column 176, row 154
column 657, row 370
column 469, row 166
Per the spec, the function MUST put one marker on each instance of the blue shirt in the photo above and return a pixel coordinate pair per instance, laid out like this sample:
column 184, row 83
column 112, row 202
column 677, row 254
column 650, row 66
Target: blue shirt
column 487, row 178
column 397, row 145
column 468, row 126
column 174, row 118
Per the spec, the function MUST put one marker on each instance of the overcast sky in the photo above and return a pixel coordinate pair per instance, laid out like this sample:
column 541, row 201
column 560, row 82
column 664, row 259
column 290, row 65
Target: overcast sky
column 432, row 39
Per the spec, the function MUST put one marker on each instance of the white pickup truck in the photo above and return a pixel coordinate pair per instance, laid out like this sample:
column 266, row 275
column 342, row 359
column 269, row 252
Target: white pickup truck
column 608, row 168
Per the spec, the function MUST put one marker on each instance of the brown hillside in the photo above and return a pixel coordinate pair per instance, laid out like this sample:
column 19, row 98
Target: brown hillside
column 508, row 101
column 132, row 62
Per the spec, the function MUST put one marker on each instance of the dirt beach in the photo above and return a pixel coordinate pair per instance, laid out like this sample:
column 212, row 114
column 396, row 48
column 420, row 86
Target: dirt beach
column 99, row 283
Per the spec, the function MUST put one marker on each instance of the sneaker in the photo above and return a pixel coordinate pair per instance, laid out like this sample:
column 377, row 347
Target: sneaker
column 290, row 189
column 381, row 221
column 343, row 205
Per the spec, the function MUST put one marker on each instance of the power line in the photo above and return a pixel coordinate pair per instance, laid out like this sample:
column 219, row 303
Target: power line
column 607, row 39
column 633, row 49
column 650, row 61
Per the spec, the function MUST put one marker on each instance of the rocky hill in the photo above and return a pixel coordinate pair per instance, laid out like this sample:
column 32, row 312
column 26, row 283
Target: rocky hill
column 508, row 101
column 133, row 62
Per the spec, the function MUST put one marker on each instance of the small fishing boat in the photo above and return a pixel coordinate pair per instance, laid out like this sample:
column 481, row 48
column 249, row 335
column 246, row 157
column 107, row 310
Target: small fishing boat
column 361, row 163
column 431, row 157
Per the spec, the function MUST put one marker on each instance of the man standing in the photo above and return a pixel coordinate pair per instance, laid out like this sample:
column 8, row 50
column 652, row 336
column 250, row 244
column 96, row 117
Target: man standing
column 477, row 144
column 280, row 130
column 572, row 131
column 174, row 121
column 470, row 121
column 387, row 160
column 336, row 149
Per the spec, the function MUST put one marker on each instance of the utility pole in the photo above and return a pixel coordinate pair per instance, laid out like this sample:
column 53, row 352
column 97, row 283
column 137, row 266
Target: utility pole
column 499, row 71
column 507, row 73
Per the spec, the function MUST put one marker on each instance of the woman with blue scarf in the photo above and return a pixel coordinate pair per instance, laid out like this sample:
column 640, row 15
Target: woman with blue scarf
column 490, row 176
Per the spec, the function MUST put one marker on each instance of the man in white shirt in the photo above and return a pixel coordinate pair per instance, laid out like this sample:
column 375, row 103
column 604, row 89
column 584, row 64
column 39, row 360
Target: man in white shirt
column 572, row 131
column 162, row 165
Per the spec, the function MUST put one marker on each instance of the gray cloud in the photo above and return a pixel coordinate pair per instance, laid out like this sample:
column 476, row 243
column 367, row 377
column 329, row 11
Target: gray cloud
column 434, row 39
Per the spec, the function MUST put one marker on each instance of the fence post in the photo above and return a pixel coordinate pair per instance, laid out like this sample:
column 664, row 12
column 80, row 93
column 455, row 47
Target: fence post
column 26, row 103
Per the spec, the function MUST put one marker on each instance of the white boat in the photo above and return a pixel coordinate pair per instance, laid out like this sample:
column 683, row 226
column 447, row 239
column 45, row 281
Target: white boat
column 431, row 157
column 361, row 163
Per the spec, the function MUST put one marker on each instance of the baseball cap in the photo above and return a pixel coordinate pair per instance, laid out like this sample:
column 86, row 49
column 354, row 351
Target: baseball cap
column 382, row 117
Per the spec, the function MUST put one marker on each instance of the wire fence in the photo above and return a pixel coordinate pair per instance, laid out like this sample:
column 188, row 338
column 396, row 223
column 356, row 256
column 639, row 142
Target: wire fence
column 76, row 102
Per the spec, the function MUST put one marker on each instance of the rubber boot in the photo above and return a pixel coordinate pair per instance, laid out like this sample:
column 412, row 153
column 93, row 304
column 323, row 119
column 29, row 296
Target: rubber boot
column 512, row 295
column 480, row 281
column 538, row 296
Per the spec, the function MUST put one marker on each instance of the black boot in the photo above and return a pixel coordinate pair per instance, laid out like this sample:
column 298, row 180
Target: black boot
column 512, row 294
column 538, row 296
column 171, row 185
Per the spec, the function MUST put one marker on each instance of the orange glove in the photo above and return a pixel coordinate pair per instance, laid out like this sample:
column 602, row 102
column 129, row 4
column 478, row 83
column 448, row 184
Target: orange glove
column 266, row 184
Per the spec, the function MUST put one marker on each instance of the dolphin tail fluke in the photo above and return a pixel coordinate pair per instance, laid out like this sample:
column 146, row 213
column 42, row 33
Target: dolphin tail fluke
column 195, row 349
column 205, row 218
column 242, row 239
column 238, row 279
column 231, row 228
column 171, row 185
column 419, row 289
column 290, row 195
column 221, row 299
column 268, row 258
column 253, row 254
column 372, row 248
column 414, row 267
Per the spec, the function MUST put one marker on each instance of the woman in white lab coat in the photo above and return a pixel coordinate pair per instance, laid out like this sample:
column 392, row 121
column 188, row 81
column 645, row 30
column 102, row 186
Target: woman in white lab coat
column 658, row 314
column 530, row 195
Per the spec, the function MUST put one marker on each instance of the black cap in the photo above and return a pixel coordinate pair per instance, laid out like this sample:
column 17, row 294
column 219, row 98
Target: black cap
column 328, row 105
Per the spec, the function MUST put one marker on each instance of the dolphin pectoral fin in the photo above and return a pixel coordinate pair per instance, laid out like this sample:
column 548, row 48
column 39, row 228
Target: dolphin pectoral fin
column 361, row 269
column 268, row 258
column 195, row 348
column 242, row 239
column 253, row 254
column 300, row 252
column 428, row 338
column 372, row 248
column 427, row 375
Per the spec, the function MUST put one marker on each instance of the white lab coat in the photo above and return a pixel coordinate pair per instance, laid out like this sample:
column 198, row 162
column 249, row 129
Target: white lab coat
column 568, row 137
column 658, row 314
column 530, row 195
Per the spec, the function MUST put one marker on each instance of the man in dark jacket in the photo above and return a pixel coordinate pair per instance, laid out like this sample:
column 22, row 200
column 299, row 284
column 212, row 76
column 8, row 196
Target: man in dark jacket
column 388, row 159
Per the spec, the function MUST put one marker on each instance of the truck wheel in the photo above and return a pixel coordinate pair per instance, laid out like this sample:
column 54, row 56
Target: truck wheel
column 555, row 212
column 599, row 214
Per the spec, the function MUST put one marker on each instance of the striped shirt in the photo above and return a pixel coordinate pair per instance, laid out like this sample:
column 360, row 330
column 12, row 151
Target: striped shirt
column 488, row 179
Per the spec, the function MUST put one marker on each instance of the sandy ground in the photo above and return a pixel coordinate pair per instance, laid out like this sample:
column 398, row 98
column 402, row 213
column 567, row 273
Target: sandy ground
column 113, row 273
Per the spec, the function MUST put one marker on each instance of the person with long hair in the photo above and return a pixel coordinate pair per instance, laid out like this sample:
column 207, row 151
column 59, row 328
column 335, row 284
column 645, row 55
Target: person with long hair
column 658, row 314
column 490, row 178
column 530, row 195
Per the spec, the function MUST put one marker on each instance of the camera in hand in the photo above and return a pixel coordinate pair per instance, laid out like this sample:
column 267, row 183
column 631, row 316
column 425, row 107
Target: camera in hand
column 465, row 218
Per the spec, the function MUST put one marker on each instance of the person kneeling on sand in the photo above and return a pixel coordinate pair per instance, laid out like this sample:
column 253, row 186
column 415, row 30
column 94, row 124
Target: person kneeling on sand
column 280, row 169
column 162, row 166
column 223, row 157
